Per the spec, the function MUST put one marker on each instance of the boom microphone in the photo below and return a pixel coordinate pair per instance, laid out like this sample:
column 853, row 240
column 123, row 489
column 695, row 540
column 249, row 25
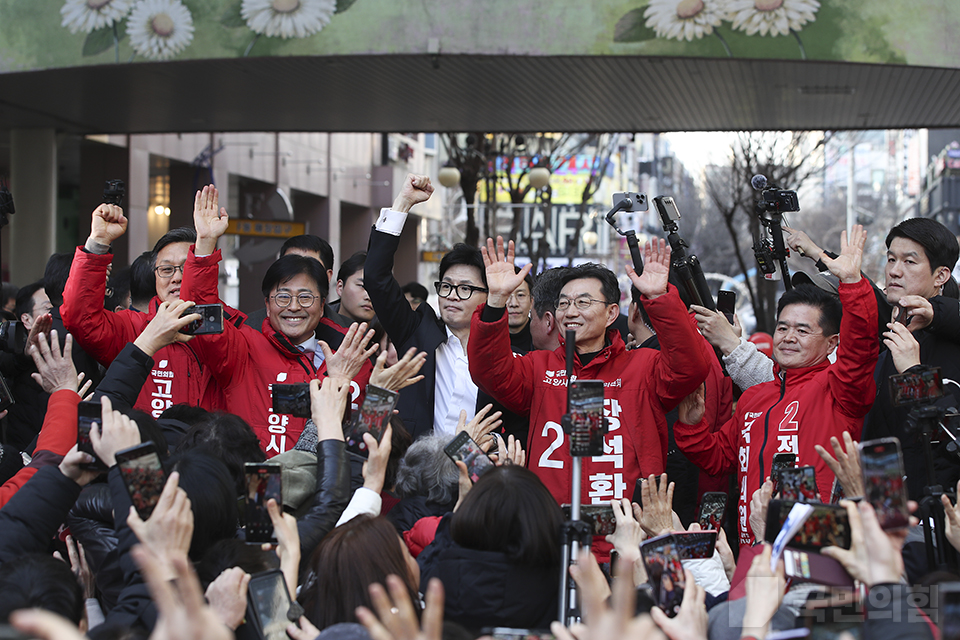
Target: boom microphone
column 759, row 182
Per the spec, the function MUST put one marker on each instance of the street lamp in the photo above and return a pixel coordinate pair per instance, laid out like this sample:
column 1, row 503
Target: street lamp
column 539, row 177
column 449, row 175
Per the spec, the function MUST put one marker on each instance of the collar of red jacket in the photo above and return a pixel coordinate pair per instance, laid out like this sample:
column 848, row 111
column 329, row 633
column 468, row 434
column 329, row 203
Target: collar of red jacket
column 615, row 347
column 800, row 374
column 323, row 332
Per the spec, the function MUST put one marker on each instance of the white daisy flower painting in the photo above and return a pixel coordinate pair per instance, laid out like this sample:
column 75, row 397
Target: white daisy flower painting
column 287, row 18
column 684, row 19
column 160, row 29
column 84, row 16
column 771, row 17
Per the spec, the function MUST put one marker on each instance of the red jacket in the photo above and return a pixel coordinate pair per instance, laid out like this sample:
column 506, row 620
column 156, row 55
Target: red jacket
column 640, row 387
column 178, row 377
column 57, row 437
column 246, row 362
column 801, row 408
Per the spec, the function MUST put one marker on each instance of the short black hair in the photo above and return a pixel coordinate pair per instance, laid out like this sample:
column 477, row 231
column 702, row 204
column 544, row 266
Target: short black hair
column 464, row 254
column 290, row 266
column 55, row 276
column 608, row 280
column 830, row 309
column 527, row 278
column 416, row 290
column 939, row 244
column 351, row 265
column 37, row 580
column 228, row 437
column 308, row 242
column 118, row 288
column 143, row 283
column 150, row 430
column 546, row 290
column 213, row 498
column 8, row 290
column 180, row 234
column 185, row 413
column 25, row 298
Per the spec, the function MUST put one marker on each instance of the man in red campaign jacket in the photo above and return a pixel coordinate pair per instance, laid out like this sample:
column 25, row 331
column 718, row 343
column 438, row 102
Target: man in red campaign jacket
column 810, row 399
column 640, row 386
column 179, row 377
column 293, row 345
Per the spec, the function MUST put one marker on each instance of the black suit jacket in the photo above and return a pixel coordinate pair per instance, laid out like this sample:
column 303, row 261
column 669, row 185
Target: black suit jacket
column 420, row 328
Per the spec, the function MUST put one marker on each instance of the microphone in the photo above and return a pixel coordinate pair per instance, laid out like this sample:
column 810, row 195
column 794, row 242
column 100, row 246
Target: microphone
column 759, row 182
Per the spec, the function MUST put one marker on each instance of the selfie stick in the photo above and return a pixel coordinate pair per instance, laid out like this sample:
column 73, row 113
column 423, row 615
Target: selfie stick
column 576, row 532
column 627, row 204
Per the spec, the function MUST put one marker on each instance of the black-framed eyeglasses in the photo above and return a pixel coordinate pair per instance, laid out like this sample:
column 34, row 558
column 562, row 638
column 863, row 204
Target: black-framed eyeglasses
column 464, row 291
column 167, row 270
column 303, row 299
column 582, row 303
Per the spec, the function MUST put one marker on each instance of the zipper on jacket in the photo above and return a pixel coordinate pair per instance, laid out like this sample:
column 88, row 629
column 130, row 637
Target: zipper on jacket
column 766, row 425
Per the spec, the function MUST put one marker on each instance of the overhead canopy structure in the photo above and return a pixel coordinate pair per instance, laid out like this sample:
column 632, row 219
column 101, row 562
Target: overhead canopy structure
column 461, row 65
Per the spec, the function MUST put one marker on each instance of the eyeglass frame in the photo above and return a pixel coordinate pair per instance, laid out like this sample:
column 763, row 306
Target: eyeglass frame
column 576, row 302
column 456, row 287
column 313, row 298
column 175, row 267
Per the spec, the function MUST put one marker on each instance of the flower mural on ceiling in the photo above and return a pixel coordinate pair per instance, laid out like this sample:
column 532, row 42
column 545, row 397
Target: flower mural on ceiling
column 287, row 18
column 684, row 19
column 84, row 16
column 771, row 17
column 160, row 29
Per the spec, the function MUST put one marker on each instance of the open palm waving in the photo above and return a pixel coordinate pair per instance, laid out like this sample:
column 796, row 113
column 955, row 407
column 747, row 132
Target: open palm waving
column 502, row 278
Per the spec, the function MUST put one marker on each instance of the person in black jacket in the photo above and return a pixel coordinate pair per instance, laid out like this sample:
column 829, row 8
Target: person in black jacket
column 435, row 403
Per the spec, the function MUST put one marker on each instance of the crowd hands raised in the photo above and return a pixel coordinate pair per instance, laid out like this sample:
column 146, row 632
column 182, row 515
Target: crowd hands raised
column 393, row 538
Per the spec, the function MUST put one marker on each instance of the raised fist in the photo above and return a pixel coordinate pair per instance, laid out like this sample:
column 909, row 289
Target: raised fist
column 416, row 189
column 107, row 224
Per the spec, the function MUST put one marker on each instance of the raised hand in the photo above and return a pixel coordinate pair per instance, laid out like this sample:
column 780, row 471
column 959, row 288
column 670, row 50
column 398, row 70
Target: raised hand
column 714, row 327
column 43, row 324
column 846, row 266
column 350, row 356
column 481, row 425
column 801, row 243
column 327, row 404
column 402, row 374
column 164, row 328
column 209, row 219
column 656, row 269
column 415, row 189
column 656, row 517
column 846, row 464
column 55, row 370
column 106, row 225
column 378, row 457
column 502, row 278
column 115, row 433
column 168, row 531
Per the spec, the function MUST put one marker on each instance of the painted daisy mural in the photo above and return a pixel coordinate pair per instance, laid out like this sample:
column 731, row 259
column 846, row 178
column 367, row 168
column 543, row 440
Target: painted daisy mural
column 287, row 18
column 160, row 29
column 84, row 16
column 684, row 20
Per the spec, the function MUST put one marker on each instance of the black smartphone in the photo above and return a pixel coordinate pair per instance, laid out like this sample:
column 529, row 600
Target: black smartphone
column 292, row 399
column 661, row 557
column 6, row 398
column 912, row 387
column 464, row 449
column 269, row 606
column 143, row 475
column 372, row 418
column 948, row 611
column 263, row 483
column 585, row 422
column 882, row 465
column 600, row 515
column 781, row 461
column 210, row 322
column 713, row 506
column 827, row 526
column 87, row 414
column 900, row 315
column 799, row 484
column 695, row 545
column 727, row 303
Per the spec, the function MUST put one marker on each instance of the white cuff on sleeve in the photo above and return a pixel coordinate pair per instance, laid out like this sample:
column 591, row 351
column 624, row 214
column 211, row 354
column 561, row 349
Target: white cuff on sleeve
column 391, row 221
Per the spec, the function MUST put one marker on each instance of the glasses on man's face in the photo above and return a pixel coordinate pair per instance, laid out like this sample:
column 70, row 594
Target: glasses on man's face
column 583, row 303
column 303, row 299
column 464, row 291
column 167, row 270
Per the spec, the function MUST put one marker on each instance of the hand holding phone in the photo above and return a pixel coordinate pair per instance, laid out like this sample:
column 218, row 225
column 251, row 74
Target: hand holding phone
column 210, row 321
column 291, row 399
column 713, row 506
column 799, row 484
column 662, row 559
column 727, row 303
column 143, row 476
column 372, row 418
column 263, row 484
column 463, row 449
column 883, row 482
column 87, row 414
column 584, row 421
column 780, row 462
column 269, row 606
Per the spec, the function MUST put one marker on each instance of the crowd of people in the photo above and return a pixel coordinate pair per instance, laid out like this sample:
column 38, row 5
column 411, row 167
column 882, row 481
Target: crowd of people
column 396, row 539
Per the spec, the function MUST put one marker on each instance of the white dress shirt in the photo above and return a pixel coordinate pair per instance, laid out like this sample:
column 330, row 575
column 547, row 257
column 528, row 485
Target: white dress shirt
column 454, row 388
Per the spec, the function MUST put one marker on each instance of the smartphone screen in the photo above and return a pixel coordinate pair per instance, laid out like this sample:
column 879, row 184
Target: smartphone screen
column 291, row 399
column 911, row 387
column 372, row 418
column 712, row 509
column 464, row 449
column 601, row 515
column 695, row 545
column 87, row 414
column 210, row 322
column 882, row 465
column 799, row 484
column 827, row 526
column 587, row 426
column 781, row 461
column 837, row 493
column 948, row 613
column 727, row 304
column 263, row 483
column 143, row 476
column 270, row 602
column 665, row 572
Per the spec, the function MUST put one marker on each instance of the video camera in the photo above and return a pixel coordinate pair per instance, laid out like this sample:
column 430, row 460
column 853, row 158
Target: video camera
column 769, row 249
column 113, row 192
column 13, row 336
